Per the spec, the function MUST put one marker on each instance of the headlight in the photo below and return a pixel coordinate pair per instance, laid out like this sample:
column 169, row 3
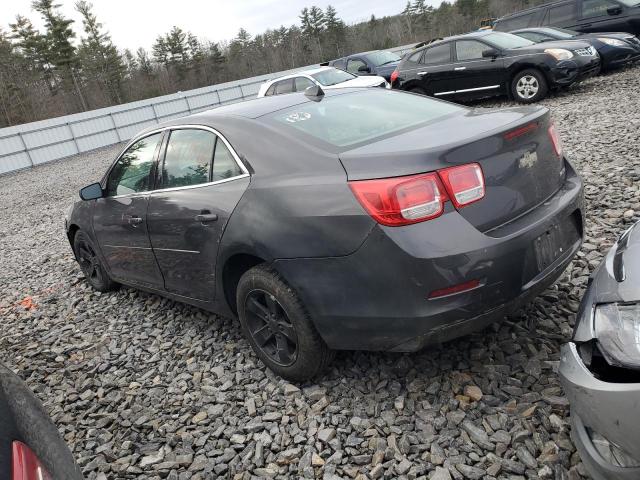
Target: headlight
column 617, row 328
column 614, row 42
column 559, row 53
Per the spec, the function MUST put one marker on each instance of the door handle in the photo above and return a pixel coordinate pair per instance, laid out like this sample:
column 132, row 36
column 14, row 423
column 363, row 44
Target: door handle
column 422, row 74
column 134, row 220
column 457, row 69
column 206, row 217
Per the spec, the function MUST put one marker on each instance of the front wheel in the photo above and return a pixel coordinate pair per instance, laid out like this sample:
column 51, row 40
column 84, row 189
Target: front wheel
column 278, row 327
column 90, row 263
column 529, row 86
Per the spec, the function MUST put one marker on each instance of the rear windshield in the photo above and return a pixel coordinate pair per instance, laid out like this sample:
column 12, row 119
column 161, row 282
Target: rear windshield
column 365, row 116
column 506, row 40
column 382, row 58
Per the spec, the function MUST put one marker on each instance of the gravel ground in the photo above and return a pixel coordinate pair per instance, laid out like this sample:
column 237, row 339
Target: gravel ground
column 142, row 387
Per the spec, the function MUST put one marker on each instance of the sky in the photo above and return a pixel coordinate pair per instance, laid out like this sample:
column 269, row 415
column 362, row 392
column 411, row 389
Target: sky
column 137, row 23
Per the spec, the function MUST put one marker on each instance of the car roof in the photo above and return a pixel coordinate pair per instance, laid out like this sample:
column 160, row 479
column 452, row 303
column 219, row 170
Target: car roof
column 475, row 34
column 253, row 108
column 530, row 9
column 534, row 29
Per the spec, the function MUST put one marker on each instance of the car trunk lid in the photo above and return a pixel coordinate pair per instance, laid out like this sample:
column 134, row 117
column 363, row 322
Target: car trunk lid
column 513, row 147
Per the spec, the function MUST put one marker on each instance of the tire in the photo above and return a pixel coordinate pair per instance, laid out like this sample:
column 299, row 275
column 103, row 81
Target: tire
column 90, row 263
column 529, row 86
column 278, row 327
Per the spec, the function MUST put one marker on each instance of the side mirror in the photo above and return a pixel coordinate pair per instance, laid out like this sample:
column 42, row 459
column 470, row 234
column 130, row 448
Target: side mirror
column 364, row 69
column 490, row 53
column 91, row 192
column 617, row 10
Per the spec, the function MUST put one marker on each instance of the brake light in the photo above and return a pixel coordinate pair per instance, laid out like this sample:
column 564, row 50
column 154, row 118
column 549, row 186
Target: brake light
column 464, row 184
column 394, row 76
column 25, row 465
column 401, row 200
column 462, row 287
column 520, row 131
column 555, row 139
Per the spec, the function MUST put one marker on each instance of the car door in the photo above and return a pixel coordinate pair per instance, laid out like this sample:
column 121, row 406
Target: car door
column 603, row 16
column 119, row 217
column 199, row 183
column 435, row 70
column 476, row 76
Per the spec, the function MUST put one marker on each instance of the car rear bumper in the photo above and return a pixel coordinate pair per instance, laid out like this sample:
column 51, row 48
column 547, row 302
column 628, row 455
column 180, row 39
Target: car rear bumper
column 610, row 409
column 378, row 297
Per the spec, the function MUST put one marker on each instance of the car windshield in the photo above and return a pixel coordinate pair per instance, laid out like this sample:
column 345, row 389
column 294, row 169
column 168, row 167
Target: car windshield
column 560, row 32
column 349, row 119
column 506, row 40
column 382, row 58
column 332, row 77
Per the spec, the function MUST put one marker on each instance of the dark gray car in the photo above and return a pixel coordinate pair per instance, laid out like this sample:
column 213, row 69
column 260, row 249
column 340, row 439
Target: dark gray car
column 361, row 219
column 600, row 367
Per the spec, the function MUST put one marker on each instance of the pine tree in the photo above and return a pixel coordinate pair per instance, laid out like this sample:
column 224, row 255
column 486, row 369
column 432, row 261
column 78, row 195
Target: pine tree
column 335, row 30
column 142, row 57
column 62, row 53
column 99, row 57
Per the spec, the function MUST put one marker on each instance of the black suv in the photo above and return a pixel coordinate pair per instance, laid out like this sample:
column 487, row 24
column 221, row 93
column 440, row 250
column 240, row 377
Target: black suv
column 485, row 64
column 581, row 15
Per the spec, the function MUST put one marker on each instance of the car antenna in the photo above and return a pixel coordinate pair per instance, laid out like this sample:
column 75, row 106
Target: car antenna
column 314, row 93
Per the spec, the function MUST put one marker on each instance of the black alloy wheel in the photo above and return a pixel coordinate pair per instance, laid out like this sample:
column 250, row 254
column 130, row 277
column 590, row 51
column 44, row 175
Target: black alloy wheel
column 90, row 264
column 270, row 327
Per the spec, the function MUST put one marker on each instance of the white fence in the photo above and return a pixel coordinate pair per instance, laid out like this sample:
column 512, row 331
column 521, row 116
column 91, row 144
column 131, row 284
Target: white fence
column 30, row 144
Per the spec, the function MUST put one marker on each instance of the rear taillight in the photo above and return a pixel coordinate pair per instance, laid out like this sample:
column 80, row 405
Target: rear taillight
column 401, row 200
column 25, row 465
column 394, row 76
column 465, row 184
column 555, row 139
column 405, row 200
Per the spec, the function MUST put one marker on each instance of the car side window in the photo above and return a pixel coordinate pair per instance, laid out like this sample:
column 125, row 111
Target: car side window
column 470, row 50
column 596, row 8
column 284, row 86
column 187, row 160
column 302, row 83
column 560, row 14
column 224, row 165
column 341, row 64
column 354, row 65
column 513, row 23
column 132, row 171
column 437, row 54
column 415, row 58
column 270, row 91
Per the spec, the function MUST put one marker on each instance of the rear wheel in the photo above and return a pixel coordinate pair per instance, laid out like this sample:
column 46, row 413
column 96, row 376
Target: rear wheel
column 90, row 263
column 278, row 327
column 529, row 86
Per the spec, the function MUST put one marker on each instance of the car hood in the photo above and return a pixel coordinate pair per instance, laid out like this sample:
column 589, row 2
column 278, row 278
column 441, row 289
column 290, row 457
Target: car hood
column 364, row 81
column 618, row 35
column 541, row 47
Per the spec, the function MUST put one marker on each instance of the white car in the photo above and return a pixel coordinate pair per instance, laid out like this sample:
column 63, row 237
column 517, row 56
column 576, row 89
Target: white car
column 327, row 78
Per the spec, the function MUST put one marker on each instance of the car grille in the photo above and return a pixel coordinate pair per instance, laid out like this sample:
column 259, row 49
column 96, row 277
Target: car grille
column 586, row 52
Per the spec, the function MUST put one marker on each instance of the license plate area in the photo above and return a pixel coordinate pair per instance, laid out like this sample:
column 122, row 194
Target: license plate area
column 554, row 243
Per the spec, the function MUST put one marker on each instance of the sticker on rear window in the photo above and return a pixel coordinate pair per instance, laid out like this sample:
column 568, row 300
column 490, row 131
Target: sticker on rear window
column 298, row 117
